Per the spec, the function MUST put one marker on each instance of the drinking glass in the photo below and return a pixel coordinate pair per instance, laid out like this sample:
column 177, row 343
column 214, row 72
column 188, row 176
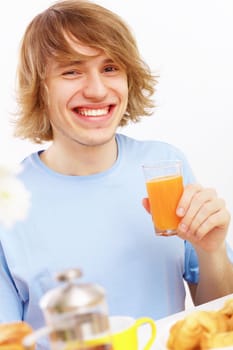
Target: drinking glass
column 164, row 185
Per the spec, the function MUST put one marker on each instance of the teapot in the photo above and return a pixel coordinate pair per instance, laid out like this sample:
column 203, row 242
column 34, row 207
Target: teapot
column 76, row 316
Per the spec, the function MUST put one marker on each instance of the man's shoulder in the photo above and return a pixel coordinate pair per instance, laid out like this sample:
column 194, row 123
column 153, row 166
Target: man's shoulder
column 161, row 148
column 31, row 167
column 30, row 159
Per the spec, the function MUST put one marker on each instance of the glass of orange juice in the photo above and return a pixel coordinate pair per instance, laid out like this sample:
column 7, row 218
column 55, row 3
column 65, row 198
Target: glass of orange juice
column 164, row 183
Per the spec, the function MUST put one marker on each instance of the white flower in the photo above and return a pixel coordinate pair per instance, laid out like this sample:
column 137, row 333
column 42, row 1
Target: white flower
column 14, row 198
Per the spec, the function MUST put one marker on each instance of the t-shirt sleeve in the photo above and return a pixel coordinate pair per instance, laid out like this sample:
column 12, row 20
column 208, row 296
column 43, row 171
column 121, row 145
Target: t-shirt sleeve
column 11, row 306
column 191, row 268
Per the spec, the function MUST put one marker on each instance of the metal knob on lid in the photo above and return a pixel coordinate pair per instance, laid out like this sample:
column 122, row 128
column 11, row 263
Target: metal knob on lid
column 68, row 275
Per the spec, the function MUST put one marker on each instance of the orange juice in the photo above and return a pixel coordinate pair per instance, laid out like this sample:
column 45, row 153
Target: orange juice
column 164, row 194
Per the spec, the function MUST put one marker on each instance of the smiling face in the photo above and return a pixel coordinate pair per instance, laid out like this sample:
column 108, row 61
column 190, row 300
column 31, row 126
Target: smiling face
column 87, row 98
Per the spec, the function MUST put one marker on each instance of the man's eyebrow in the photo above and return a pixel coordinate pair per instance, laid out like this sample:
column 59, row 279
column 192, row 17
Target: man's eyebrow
column 61, row 65
column 65, row 64
column 108, row 60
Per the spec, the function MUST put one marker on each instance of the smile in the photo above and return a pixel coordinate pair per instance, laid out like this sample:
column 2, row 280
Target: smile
column 90, row 112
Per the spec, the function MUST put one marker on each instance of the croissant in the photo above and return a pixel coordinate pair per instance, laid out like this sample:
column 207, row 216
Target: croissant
column 185, row 334
column 12, row 334
column 212, row 322
column 196, row 330
column 217, row 340
column 227, row 308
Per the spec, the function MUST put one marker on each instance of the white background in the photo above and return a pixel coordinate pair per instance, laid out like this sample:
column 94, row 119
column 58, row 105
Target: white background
column 189, row 44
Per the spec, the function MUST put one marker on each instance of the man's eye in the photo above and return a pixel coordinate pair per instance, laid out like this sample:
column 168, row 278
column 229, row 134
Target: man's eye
column 111, row 69
column 70, row 73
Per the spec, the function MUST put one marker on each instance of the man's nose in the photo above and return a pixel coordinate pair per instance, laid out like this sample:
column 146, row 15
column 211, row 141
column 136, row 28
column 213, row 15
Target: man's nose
column 95, row 86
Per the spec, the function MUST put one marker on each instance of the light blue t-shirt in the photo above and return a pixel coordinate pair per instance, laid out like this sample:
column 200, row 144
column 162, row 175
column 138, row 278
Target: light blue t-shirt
column 96, row 223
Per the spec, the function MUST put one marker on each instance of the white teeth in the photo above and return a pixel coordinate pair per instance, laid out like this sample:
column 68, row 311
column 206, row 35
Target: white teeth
column 93, row 112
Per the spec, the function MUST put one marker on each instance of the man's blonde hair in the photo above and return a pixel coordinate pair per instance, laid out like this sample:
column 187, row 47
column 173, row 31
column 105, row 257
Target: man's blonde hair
column 46, row 37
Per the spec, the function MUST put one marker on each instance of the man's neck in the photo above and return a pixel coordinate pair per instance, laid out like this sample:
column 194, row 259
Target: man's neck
column 80, row 160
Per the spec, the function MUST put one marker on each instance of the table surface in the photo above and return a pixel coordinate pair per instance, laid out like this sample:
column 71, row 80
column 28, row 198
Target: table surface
column 163, row 325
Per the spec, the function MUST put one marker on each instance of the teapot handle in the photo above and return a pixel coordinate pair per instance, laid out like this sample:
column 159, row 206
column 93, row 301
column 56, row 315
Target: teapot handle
column 30, row 340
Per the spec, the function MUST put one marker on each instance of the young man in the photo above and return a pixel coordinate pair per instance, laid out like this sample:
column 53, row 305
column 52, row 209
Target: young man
column 80, row 77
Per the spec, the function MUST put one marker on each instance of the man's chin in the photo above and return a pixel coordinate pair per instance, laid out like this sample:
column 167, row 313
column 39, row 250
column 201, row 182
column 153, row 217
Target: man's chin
column 96, row 141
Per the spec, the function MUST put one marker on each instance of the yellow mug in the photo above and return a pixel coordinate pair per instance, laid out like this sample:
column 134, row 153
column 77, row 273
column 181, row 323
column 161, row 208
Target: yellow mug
column 127, row 333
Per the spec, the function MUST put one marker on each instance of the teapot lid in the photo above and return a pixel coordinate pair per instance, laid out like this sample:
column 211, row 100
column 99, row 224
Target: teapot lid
column 71, row 295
